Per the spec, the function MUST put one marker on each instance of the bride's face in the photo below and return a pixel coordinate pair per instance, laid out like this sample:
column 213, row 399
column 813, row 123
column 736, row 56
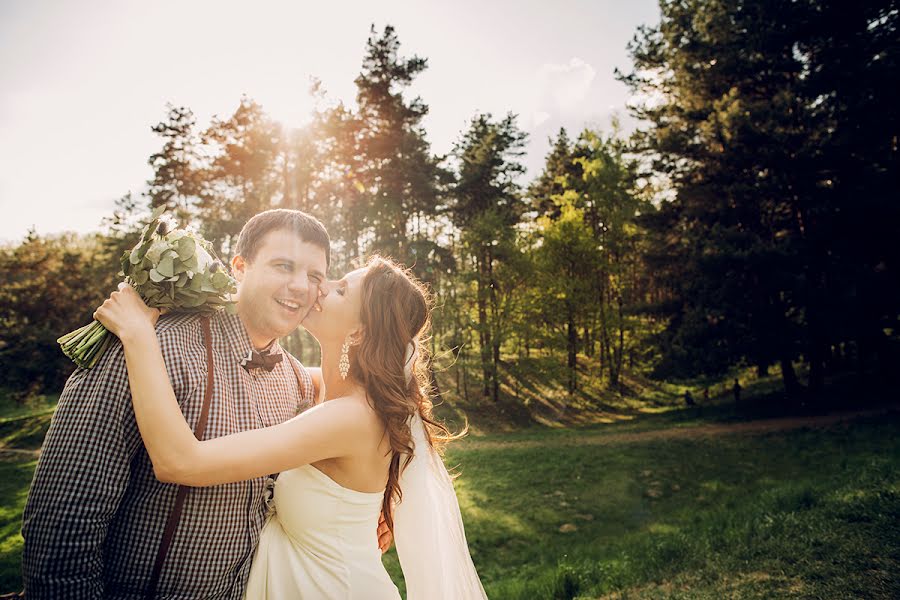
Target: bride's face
column 337, row 311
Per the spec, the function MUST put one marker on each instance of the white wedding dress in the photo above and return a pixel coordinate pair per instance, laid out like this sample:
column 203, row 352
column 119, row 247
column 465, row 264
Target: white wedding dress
column 320, row 543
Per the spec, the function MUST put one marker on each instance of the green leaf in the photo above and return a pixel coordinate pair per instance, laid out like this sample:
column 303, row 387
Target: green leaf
column 191, row 263
column 155, row 252
column 158, row 212
column 140, row 277
column 187, row 247
column 193, row 302
column 155, row 276
column 166, row 266
column 220, row 280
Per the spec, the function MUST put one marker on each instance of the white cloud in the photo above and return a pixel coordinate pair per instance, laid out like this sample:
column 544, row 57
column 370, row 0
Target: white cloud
column 563, row 87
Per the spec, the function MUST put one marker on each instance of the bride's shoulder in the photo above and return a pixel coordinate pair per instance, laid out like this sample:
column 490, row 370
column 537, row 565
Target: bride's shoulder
column 351, row 403
column 353, row 411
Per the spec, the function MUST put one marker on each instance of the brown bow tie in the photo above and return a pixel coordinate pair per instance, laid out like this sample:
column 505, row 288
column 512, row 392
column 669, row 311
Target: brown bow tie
column 265, row 361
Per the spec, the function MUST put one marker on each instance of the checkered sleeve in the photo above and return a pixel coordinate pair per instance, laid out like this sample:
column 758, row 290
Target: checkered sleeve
column 80, row 478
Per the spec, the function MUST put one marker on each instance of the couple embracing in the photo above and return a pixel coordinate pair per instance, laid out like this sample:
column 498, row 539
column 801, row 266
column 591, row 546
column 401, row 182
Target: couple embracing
column 200, row 460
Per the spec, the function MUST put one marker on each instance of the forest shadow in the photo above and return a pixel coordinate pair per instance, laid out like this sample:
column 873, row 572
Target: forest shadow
column 533, row 392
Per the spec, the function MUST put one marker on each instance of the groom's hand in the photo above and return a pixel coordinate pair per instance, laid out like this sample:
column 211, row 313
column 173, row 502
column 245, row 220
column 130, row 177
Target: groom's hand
column 385, row 537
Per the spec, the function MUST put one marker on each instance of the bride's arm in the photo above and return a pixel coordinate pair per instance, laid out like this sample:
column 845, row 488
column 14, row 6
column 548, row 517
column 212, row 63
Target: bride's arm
column 336, row 428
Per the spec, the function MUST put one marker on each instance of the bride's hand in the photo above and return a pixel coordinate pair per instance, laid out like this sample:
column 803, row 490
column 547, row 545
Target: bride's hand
column 125, row 314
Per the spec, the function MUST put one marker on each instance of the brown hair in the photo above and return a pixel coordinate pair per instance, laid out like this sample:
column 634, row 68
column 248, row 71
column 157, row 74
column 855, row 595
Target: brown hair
column 306, row 226
column 396, row 311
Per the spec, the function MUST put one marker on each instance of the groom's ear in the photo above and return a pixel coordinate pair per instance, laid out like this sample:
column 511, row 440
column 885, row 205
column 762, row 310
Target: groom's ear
column 238, row 265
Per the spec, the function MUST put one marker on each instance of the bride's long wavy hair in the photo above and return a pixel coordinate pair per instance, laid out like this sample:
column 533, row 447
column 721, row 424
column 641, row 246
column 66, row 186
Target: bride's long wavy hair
column 396, row 311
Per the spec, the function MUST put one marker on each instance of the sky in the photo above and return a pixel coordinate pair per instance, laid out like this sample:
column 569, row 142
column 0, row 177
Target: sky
column 81, row 83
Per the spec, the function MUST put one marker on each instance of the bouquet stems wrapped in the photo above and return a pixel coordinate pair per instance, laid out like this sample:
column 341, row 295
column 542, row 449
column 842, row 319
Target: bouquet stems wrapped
column 170, row 268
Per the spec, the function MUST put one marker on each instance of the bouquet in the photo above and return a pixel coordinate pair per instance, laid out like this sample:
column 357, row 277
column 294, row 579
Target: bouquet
column 171, row 269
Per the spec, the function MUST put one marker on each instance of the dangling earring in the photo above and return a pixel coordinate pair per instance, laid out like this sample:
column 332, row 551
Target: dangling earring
column 344, row 364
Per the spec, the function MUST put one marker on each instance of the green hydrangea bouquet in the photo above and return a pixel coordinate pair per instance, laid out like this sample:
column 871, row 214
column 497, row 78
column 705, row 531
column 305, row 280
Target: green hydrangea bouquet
column 171, row 268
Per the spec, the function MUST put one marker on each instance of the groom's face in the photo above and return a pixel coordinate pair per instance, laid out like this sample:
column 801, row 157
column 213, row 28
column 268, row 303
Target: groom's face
column 278, row 286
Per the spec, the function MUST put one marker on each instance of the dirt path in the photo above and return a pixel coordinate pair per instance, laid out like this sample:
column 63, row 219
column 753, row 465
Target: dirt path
column 602, row 438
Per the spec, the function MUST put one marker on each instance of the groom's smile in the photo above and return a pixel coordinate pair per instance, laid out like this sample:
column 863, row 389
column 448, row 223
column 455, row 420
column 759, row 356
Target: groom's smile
column 290, row 305
column 279, row 285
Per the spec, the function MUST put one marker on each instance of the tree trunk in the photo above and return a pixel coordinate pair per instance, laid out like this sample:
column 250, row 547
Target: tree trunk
column 287, row 198
column 792, row 386
column 604, row 340
column 484, row 329
column 816, row 370
column 465, row 378
column 496, row 370
column 572, row 347
column 485, row 346
column 620, row 351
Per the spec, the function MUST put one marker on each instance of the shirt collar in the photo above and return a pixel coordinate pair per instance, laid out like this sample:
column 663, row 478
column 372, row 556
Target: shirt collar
column 236, row 336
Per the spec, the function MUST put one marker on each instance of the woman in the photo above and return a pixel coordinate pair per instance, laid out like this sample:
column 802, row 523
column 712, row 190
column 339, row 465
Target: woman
column 358, row 453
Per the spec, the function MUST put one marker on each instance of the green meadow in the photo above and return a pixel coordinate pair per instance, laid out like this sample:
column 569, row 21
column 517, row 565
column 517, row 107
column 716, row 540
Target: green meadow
column 617, row 510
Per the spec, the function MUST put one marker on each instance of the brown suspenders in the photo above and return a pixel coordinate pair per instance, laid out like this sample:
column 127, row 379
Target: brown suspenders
column 300, row 382
column 175, row 515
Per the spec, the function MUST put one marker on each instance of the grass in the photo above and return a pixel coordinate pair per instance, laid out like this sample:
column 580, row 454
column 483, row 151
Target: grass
column 809, row 513
column 15, row 477
column 23, row 424
column 12, row 408
column 806, row 514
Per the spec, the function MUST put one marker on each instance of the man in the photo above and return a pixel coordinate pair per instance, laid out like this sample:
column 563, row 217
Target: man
column 95, row 515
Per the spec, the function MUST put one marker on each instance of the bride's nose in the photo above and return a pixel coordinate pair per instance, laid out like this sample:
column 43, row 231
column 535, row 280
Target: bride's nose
column 325, row 288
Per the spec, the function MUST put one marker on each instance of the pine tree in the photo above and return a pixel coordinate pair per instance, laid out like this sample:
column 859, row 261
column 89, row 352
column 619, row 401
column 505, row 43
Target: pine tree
column 753, row 109
column 486, row 205
column 243, row 176
column 176, row 179
column 396, row 173
column 560, row 171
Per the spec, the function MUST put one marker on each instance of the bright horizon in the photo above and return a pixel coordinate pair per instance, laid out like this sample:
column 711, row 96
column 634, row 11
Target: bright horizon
column 83, row 83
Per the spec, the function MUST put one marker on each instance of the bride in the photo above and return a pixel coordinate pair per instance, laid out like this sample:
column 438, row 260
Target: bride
column 368, row 448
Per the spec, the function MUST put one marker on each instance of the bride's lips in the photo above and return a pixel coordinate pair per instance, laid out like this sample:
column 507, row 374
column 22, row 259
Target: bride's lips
column 316, row 307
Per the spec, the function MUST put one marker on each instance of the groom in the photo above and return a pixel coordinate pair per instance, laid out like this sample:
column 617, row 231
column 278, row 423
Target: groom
column 96, row 513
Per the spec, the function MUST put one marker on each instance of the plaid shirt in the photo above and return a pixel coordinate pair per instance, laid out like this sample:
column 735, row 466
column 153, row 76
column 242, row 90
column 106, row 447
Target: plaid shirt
column 95, row 514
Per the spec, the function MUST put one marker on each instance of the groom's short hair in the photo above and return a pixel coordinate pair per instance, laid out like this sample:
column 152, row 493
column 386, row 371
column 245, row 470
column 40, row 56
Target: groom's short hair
column 307, row 227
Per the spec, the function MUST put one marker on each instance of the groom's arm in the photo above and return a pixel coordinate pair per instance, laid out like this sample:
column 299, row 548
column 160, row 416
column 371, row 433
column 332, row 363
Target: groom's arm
column 79, row 481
